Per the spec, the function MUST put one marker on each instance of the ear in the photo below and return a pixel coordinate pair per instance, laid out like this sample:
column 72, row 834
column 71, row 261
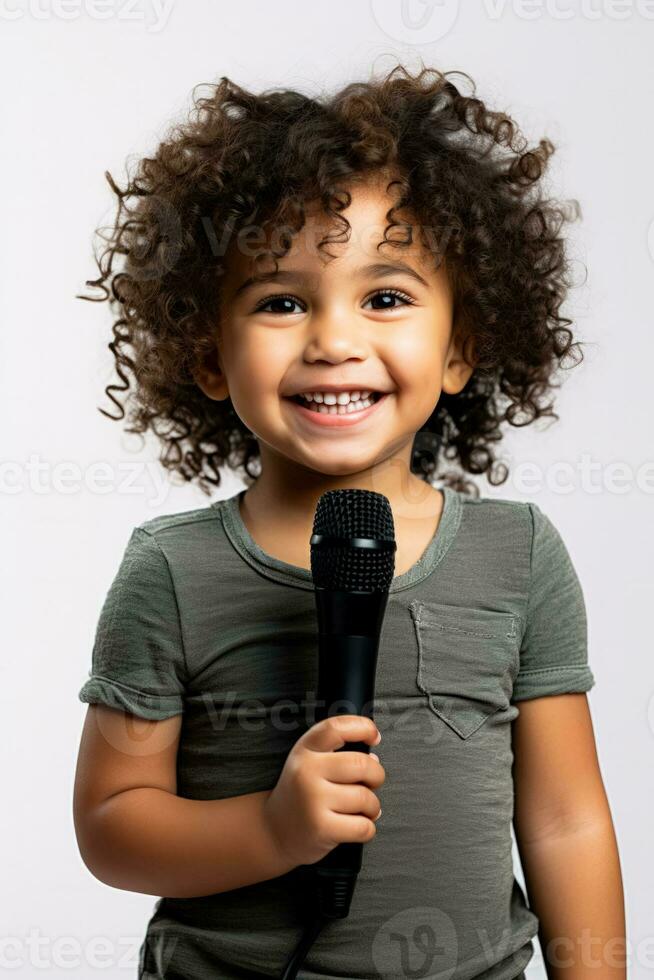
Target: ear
column 458, row 368
column 210, row 378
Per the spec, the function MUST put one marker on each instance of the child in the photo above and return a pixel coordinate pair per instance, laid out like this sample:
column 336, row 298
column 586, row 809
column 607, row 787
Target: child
column 342, row 293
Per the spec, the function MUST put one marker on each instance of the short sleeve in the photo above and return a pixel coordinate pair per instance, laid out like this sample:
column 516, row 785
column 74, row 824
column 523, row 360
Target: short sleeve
column 554, row 647
column 138, row 656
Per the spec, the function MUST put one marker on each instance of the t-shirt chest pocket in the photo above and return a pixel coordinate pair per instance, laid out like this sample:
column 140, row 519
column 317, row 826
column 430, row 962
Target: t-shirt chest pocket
column 467, row 661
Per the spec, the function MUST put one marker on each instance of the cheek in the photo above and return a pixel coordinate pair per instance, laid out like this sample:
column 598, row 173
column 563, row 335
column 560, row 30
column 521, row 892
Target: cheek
column 257, row 367
column 259, row 362
column 416, row 363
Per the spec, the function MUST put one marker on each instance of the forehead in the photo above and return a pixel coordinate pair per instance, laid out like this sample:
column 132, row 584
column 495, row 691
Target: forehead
column 367, row 214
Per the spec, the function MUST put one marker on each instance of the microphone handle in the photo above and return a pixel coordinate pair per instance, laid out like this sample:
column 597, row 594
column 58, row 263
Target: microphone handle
column 346, row 682
column 349, row 627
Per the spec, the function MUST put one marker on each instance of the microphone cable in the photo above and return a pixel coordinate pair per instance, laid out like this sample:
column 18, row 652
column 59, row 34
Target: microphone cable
column 297, row 959
column 332, row 892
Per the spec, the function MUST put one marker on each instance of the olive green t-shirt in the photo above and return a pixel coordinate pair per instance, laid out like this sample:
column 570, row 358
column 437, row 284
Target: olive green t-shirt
column 199, row 620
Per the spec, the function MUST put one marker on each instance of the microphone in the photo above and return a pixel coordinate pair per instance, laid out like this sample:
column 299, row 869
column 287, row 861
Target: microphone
column 352, row 563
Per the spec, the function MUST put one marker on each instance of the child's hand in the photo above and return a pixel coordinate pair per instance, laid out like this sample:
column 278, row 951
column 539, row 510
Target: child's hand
column 319, row 800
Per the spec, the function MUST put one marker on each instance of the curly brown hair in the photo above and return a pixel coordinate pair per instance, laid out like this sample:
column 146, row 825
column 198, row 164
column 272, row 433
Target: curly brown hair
column 239, row 157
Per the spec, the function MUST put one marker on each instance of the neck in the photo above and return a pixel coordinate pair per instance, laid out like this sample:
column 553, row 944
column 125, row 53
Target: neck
column 291, row 491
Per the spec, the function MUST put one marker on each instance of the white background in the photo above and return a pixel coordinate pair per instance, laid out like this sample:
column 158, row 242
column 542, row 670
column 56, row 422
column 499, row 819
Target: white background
column 80, row 94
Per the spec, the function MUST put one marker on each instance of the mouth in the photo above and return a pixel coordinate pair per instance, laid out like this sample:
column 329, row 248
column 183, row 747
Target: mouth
column 321, row 415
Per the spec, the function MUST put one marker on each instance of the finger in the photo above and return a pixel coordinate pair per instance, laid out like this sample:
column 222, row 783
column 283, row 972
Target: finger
column 352, row 767
column 354, row 799
column 343, row 828
column 334, row 732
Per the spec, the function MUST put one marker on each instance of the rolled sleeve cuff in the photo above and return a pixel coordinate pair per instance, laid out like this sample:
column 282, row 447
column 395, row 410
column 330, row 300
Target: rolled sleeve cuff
column 575, row 678
column 154, row 707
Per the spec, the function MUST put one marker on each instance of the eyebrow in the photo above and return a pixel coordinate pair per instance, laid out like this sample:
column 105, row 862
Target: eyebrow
column 376, row 269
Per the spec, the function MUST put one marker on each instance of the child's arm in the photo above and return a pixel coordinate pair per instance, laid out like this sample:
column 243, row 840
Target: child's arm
column 134, row 833
column 566, row 840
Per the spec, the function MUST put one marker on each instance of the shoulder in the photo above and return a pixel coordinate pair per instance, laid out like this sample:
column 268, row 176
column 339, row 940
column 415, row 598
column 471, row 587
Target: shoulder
column 501, row 515
column 510, row 537
column 519, row 535
column 497, row 520
column 163, row 523
column 181, row 541
column 516, row 509
column 188, row 527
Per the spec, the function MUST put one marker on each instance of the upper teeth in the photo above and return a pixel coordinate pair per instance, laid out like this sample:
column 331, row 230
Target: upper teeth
column 335, row 397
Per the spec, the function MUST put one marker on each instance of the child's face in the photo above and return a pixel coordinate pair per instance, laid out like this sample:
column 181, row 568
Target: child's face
column 333, row 327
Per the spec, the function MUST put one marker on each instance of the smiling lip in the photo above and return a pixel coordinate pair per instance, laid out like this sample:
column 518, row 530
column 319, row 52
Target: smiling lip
column 327, row 419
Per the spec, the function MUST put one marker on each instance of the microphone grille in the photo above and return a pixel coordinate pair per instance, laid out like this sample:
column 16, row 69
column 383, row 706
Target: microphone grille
column 345, row 564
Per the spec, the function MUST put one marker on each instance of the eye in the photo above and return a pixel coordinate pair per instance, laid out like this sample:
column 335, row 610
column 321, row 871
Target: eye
column 286, row 298
column 395, row 293
column 275, row 299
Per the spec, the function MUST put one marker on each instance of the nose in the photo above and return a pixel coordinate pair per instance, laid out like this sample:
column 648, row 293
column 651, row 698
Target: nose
column 333, row 337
